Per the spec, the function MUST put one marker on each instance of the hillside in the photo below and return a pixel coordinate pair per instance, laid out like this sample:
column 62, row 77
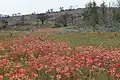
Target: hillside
column 31, row 19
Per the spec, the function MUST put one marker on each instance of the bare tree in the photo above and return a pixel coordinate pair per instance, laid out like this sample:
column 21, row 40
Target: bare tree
column 14, row 14
column 19, row 14
column 118, row 3
column 61, row 8
column 71, row 7
column 51, row 10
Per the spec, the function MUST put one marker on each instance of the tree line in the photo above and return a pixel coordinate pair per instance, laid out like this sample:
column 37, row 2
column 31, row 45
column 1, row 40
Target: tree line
column 97, row 18
column 94, row 17
column 103, row 16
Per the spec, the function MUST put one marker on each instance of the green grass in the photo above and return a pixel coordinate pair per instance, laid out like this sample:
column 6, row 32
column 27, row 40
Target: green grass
column 90, row 39
column 76, row 38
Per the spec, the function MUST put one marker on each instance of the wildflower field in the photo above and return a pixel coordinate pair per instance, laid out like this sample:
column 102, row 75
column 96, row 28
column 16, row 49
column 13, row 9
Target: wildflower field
column 72, row 56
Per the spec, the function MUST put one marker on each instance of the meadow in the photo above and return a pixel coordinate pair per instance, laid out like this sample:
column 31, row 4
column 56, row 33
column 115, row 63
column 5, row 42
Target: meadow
column 43, row 55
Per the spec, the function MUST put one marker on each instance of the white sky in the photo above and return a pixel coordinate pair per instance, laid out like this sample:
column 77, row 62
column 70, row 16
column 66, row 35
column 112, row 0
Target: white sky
column 30, row 6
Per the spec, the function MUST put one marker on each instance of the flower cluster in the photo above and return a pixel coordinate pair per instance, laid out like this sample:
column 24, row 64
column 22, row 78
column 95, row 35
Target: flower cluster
column 31, row 58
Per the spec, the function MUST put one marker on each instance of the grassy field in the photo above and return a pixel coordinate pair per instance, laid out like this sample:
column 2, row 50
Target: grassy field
column 11, row 34
column 108, row 40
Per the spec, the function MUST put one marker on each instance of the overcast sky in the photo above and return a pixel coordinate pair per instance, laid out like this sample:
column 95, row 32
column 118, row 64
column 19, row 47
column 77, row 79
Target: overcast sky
column 29, row 6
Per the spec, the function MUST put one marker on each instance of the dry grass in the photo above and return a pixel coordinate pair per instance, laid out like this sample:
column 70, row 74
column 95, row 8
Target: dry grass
column 49, row 29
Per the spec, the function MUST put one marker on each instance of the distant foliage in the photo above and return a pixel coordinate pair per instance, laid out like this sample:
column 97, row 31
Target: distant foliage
column 4, row 23
column 102, row 17
column 42, row 17
column 90, row 15
column 63, row 20
column 61, row 8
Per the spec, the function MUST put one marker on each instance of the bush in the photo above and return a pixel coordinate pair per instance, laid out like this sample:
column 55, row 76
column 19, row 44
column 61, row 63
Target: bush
column 57, row 25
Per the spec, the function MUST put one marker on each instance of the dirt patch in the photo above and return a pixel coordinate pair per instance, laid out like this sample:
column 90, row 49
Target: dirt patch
column 50, row 29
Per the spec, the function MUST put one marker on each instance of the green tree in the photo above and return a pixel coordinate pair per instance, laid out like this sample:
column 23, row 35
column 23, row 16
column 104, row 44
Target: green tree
column 103, row 12
column 4, row 23
column 62, row 20
column 91, row 15
column 70, row 8
column 42, row 17
column 23, row 20
column 95, row 13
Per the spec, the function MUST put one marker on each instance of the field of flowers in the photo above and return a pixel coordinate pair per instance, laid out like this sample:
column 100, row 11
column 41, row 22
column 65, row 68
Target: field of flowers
column 37, row 58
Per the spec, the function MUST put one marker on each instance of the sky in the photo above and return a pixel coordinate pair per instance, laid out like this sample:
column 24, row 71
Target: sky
column 9, row 7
